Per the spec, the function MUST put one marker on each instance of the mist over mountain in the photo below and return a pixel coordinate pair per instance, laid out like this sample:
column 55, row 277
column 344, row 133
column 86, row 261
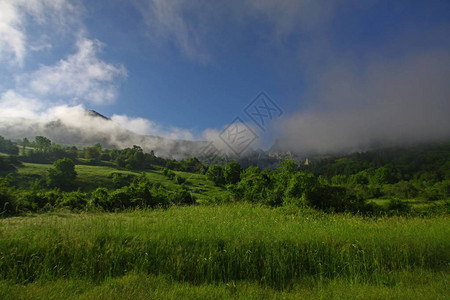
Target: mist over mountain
column 77, row 126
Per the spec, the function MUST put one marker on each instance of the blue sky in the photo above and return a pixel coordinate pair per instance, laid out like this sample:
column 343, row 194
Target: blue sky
column 185, row 69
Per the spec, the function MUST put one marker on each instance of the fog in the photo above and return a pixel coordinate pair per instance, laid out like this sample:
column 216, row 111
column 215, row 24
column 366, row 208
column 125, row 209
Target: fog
column 70, row 125
column 385, row 102
column 402, row 101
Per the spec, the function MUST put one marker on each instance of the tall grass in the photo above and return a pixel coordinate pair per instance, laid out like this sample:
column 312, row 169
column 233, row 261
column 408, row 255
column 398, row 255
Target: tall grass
column 221, row 244
column 423, row 285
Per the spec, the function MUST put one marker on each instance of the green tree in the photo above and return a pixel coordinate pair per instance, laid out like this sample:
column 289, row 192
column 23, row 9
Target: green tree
column 193, row 165
column 5, row 164
column 62, row 174
column 359, row 178
column 250, row 171
column 254, row 187
column 287, row 167
column 42, row 143
column 8, row 196
column 72, row 152
column 99, row 198
column 232, row 172
column 397, row 206
column 339, row 179
column 105, row 156
column 92, row 153
column 444, row 188
column 300, row 183
column 179, row 179
column 6, row 146
column 215, row 174
column 25, row 144
column 182, row 197
column 382, row 176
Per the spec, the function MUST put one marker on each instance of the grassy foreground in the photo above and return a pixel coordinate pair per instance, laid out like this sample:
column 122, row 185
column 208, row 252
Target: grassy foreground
column 223, row 251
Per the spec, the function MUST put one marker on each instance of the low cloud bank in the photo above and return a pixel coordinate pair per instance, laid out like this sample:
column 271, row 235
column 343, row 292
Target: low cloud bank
column 75, row 125
column 388, row 103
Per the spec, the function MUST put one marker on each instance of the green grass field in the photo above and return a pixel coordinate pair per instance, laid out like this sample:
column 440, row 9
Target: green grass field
column 417, row 203
column 226, row 251
column 91, row 177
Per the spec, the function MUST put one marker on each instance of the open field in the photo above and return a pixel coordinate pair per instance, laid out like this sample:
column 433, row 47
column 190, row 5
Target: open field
column 408, row 285
column 417, row 203
column 223, row 251
column 91, row 177
column 232, row 250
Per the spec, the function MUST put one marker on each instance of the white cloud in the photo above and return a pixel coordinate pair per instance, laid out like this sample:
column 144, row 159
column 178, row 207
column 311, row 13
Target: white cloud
column 382, row 103
column 147, row 127
column 236, row 138
column 138, row 125
column 13, row 105
column 14, row 18
column 12, row 38
column 190, row 25
column 165, row 20
column 77, row 78
column 41, row 44
column 80, row 77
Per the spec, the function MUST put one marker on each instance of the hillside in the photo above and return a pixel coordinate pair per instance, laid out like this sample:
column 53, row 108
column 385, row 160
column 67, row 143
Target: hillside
column 104, row 223
column 87, row 127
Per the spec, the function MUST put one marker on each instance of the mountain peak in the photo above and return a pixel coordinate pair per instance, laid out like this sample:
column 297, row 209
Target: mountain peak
column 93, row 113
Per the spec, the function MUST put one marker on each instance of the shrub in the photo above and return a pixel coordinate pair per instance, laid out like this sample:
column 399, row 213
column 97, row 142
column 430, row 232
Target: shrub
column 383, row 175
column 119, row 199
column 92, row 162
column 99, row 198
column 53, row 197
column 431, row 193
column 179, row 179
column 444, row 188
column 251, row 188
column 120, row 180
column 232, row 172
column 327, row 198
column 169, row 173
column 215, row 174
column 339, row 179
column 359, row 178
column 74, row 200
column 37, row 198
column 105, row 157
column 160, row 196
column 6, row 165
column 6, row 146
column 405, row 190
column 182, row 197
column 8, row 197
column 299, row 184
column 34, row 200
column 92, row 153
column 398, row 206
column 62, row 174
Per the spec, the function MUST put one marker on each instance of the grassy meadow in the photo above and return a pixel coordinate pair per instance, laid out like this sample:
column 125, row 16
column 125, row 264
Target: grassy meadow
column 226, row 251
column 217, row 247
column 91, row 177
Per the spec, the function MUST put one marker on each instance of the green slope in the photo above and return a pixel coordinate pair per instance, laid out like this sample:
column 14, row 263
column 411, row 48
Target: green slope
column 91, row 177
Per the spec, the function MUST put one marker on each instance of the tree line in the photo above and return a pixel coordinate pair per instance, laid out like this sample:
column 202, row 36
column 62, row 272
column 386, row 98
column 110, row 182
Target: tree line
column 333, row 184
